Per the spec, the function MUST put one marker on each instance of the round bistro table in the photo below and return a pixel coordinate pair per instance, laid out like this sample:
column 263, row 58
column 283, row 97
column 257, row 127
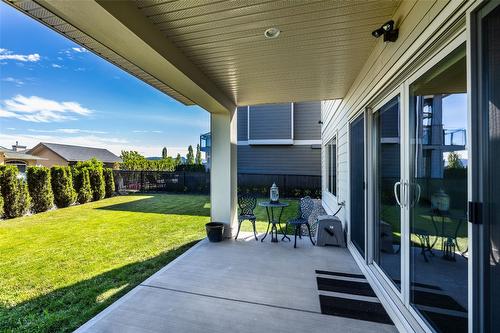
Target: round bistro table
column 272, row 221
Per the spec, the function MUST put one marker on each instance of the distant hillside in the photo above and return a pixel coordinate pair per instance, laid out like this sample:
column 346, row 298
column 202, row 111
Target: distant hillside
column 153, row 158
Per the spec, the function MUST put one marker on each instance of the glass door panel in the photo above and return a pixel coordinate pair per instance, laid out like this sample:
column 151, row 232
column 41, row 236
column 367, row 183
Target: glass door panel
column 387, row 159
column 357, row 181
column 437, row 194
column 491, row 178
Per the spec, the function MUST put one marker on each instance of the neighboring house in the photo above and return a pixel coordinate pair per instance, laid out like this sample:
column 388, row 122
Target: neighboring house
column 59, row 154
column 282, row 138
column 19, row 157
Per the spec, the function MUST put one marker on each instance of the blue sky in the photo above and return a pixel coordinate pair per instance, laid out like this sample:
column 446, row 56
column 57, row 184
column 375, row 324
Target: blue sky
column 53, row 90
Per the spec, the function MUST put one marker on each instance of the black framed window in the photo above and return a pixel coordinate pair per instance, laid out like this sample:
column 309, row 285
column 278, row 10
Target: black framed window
column 331, row 164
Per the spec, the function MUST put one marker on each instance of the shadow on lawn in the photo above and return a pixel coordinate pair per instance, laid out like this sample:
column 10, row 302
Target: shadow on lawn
column 65, row 309
column 175, row 204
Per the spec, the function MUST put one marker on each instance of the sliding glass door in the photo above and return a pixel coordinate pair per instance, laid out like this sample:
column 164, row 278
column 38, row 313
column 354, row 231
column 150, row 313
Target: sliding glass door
column 437, row 194
column 487, row 192
column 387, row 184
column 357, row 182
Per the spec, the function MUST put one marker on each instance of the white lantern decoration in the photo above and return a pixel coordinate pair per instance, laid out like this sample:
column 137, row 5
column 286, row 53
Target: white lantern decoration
column 274, row 193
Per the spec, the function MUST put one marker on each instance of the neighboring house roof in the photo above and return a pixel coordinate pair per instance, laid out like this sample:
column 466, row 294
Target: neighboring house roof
column 10, row 154
column 78, row 153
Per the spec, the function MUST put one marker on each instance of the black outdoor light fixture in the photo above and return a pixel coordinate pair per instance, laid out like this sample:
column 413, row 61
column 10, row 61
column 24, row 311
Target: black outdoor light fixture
column 387, row 30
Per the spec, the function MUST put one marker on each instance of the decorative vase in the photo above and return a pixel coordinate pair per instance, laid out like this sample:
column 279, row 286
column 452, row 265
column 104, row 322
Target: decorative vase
column 274, row 194
column 440, row 201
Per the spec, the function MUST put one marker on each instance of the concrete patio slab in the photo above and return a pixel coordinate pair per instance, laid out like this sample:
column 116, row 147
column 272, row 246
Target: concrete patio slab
column 236, row 286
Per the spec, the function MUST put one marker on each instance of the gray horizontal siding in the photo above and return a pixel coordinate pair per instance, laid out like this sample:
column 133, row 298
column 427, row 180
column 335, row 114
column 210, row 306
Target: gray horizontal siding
column 293, row 160
column 242, row 123
column 270, row 121
column 306, row 117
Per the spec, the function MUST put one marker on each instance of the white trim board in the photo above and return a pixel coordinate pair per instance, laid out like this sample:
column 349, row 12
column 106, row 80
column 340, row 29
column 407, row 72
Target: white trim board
column 279, row 142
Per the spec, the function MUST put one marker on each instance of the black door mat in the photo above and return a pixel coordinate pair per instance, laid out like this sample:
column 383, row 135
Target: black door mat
column 345, row 287
column 354, row 309
column 359, row 276
column 447, row 323
column 435, row 300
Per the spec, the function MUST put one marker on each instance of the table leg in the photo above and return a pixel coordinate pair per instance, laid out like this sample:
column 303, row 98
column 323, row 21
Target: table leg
column 268, row 223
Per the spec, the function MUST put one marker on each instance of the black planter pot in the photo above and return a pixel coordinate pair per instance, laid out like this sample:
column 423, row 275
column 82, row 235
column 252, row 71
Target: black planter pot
column 215, row 231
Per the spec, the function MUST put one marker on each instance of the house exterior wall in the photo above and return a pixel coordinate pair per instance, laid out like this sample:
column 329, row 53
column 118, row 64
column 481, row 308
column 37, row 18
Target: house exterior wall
column 424, row 28
column 301, row 157
column 51, row 158
column 270, row 121
column 418, row 22
column 287, row 160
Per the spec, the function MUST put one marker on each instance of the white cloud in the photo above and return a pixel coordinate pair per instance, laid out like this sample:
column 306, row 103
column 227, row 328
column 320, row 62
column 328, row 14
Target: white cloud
column 79, row 49
column 17, row 82
column 56, row 66
column 147, row 131
column 9, row 55
column 38, row 109
column 67, row 131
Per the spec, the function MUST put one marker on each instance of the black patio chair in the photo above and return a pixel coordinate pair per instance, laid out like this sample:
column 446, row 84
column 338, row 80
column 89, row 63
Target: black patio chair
column 247, row 204
column 306, row 207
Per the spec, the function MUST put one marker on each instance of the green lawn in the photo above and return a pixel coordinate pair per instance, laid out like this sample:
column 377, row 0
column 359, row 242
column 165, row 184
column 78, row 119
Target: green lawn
column 60, row 268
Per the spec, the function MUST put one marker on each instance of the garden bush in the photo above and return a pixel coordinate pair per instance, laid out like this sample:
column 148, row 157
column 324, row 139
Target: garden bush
column 40, row 189
column 109, row 181
column 16, row 200
column 62, row 186
column 82, row 185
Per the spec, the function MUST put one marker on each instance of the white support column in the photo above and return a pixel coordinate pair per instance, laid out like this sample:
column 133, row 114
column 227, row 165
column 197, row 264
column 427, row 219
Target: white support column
column 224, row 171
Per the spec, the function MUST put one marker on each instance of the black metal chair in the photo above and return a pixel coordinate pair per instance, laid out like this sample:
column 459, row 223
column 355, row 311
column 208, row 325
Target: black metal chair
column 247, row 204
column 306, row 207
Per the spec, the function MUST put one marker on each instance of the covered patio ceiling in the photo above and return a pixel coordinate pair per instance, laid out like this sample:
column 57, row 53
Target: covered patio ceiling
column 214, row 53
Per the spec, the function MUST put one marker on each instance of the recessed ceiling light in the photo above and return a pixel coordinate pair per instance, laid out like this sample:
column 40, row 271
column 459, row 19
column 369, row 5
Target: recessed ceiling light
column 272, row 33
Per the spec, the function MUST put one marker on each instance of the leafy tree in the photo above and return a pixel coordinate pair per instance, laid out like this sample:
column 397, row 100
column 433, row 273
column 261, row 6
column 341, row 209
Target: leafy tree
column 454, row 161
column 132, row 160
column 178, row 159
column 198, row 155
column 164, row 153
column 40, row 188
column 190, row 156
column 62, row 186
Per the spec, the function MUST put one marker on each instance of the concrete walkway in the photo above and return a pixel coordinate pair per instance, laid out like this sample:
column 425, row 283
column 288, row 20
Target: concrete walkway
column 235, row 286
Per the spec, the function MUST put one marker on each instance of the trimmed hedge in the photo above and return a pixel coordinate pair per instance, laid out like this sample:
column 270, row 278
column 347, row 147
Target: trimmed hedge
column 109, row 181
column 97, row 183
column 190, row 167
column 1, row 195
column 14, row 192
column 82, row 186
column 62, row 186
column 96, row 177
column 40, row 188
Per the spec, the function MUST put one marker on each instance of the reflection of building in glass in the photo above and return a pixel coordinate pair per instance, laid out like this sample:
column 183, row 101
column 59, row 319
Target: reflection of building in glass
column 436, row 139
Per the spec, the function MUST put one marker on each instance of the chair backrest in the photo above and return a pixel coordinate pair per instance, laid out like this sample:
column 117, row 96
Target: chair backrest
column 306, row 207
column 247, row 204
